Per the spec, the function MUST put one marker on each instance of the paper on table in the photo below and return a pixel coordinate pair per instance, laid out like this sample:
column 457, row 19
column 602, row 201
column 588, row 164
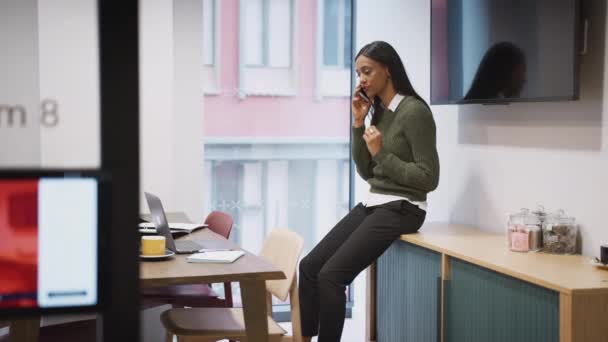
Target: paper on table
column 223, row 257
column 188, row 227
column 207, row 250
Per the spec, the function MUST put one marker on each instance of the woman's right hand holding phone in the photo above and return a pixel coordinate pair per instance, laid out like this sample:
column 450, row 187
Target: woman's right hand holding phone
column 360, row 108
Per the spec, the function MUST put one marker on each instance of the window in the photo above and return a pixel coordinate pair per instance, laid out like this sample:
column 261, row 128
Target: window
column 264, row 192
column 266, row 47
column 334, row 47
column 337, row 33
column 211, row 47
column 280, row 161
column 209, row 38
column 268, row 33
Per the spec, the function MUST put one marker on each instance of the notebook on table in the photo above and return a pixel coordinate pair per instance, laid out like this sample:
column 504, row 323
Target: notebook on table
column 221, row 257
column 175, row 227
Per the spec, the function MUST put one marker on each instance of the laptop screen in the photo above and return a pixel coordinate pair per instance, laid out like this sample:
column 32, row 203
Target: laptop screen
column 48, row 242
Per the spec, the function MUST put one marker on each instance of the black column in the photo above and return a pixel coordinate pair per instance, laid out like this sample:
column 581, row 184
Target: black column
column 119, row 75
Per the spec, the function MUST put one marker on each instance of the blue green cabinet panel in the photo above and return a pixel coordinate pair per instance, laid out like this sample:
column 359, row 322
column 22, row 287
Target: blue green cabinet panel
column 408, row 294
column 483, row 305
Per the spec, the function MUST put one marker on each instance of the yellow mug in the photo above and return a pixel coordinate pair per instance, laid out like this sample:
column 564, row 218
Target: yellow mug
column 153, row 245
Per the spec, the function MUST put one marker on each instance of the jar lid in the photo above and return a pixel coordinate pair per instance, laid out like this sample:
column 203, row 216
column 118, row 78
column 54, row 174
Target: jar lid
column 540, row 211
column 560, row 217
column 521, row 213
column 529, row 217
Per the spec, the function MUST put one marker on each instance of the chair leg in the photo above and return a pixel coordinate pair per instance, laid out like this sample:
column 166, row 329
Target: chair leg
column 228, row 294
column 228, row 299
column 294, row 299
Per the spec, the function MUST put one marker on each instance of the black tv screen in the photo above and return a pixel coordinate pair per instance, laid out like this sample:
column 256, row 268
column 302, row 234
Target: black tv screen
column 501, row 51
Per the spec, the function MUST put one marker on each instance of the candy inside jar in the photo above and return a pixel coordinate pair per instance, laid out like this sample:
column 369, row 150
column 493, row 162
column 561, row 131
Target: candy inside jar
column 524, row 231
column 560, row 234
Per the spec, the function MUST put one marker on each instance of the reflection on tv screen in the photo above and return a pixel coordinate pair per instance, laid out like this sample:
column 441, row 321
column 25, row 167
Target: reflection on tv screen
column 503, row 50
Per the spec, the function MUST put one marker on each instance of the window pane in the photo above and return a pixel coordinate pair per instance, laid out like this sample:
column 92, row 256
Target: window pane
column 302, row 178
column 252, row 193
column 208, row 31
column 279, row 33
column 276, row 162
column 347, row 33
column 250, row 208
column 330, row 32
column 253, row 32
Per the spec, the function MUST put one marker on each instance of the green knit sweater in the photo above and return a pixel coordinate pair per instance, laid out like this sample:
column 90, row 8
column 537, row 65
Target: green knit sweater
column 407, row 165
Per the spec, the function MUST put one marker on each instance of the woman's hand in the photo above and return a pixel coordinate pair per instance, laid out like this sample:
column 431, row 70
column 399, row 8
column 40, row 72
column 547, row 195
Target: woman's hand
column 373, row 139
column 360, row 108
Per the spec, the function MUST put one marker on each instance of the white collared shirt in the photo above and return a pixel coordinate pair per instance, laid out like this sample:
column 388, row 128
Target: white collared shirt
column 395, row 102
column 374, row 199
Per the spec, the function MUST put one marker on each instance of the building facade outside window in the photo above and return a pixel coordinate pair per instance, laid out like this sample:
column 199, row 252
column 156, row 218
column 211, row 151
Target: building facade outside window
column 276, row 155
column 333, row 48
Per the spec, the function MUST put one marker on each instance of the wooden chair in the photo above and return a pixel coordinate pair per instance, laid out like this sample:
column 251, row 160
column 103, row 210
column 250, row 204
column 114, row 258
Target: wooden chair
column 195, row 295
column 282, row 248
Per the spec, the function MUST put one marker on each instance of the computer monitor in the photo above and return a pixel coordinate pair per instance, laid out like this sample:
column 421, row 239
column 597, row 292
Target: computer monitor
column 49, row 241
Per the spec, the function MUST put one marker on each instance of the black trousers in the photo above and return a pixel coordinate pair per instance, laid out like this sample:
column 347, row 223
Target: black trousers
column 352, row 245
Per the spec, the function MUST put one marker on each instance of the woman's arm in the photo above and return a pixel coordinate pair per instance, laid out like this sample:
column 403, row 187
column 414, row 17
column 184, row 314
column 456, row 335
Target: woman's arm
column 361, row 156
column 423, row 172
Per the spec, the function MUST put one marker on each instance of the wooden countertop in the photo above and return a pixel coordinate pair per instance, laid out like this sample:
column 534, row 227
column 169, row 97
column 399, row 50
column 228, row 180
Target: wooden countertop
column 562, row 273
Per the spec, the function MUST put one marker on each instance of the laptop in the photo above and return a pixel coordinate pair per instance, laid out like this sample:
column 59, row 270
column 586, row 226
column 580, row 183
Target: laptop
column 162, row 228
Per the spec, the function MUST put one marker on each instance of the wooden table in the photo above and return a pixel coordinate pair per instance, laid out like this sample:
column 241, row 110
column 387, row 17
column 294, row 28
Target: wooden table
column 249, row 270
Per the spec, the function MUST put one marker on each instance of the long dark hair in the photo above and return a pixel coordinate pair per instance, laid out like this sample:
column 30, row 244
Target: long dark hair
column 495, row 71
column 385, row 54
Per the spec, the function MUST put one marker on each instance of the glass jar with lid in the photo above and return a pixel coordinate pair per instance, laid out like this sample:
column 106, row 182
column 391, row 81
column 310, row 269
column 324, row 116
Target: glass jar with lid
column 518, row 234
column 560, row 234
column 524, row 233
column 515, row 224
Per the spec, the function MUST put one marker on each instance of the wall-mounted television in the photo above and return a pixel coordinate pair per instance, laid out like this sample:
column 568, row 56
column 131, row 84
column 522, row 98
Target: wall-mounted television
column 502, row 51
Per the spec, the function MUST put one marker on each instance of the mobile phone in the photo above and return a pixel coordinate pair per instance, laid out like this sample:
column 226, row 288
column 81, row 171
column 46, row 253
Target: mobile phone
column 364, row 95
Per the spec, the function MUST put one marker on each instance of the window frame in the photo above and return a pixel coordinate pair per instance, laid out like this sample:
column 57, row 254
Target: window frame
column 211, row 72
column 281, row 81
column 332, row 80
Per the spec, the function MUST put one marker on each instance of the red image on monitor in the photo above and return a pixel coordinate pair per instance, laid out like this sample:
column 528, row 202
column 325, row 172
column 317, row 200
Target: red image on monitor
column 18, row 243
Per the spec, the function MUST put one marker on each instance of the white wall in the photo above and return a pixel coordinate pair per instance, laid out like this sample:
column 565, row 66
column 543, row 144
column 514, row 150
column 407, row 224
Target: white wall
column 188, row 107
column 19, row 146
column 69, row 74
column 171, row 102
column 156, row 100
column 50, row 53
column 497, row 159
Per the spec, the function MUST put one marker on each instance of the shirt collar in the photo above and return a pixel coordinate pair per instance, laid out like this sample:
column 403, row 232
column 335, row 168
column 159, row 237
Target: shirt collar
column 395, row 102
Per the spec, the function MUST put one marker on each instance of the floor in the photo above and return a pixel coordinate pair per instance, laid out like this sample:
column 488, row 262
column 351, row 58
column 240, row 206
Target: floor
column 354, row 328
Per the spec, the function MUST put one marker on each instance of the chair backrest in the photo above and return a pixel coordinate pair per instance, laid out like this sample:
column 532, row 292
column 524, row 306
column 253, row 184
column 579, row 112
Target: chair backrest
column 282, row 248
column 219, row 223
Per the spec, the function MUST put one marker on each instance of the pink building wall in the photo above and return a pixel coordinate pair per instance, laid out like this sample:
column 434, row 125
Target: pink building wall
column 299, row 116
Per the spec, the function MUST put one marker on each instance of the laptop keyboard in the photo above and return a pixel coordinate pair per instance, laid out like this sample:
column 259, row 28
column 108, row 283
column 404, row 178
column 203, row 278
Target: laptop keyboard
column 187, row 245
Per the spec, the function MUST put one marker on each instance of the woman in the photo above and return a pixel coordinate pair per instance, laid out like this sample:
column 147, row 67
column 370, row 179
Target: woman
column 397, row 156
